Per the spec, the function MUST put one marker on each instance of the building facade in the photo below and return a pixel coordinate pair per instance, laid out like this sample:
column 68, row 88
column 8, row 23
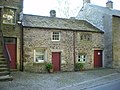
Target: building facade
column 62, row 42
column 10, row 12
column 101, row 17
column 116, row 41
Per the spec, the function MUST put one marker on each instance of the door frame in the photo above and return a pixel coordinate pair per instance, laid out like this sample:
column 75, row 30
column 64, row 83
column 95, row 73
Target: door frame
column 98, row 49
column 15, row 42
column 59, row 60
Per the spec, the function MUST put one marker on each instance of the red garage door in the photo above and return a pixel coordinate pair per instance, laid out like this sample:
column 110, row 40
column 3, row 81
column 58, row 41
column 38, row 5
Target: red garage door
column 56, row 60
column 97, row 58
column 11, row 47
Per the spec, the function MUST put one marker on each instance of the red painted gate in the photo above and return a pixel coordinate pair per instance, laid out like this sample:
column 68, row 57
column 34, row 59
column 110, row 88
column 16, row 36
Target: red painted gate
column 97, row 58
column 56, row 60
column 11, row 47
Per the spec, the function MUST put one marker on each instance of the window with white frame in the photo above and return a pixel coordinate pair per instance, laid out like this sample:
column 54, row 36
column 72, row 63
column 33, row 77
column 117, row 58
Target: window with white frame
column 55, row 36
column 9, row 16
column 82, row 58
column 39, row 55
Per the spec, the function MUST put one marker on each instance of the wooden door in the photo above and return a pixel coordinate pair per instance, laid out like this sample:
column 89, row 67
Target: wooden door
column 97, row 58
column 56, row 61
column 11, row 48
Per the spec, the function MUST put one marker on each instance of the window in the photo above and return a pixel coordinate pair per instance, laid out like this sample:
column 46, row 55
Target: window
column 56, row 36
column 9, row 40
column 81, row 58
column 39, row 55
column 87, row 37
column 9, row 16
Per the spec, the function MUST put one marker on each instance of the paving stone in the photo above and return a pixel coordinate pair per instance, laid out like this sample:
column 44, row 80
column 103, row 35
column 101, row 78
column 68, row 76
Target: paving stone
column 60, row 80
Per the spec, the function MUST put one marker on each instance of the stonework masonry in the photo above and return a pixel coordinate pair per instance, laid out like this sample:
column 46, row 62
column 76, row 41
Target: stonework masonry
column 116, row 41
column 41, row 38
column 13, row 30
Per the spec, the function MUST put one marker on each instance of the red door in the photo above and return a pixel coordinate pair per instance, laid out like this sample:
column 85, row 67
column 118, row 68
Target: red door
column 56, row 61
column 97, row 58
column 11, row 47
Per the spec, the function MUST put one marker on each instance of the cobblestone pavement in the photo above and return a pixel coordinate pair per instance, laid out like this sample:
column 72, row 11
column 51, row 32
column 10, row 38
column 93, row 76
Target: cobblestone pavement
column 60, row 81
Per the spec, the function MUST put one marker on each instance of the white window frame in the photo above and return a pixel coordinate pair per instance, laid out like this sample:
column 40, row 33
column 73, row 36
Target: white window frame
column 81, row 58
column 44, row 54
column 53, row 34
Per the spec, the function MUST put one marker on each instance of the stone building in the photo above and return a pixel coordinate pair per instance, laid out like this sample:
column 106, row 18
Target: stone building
column 116, row 41
column 101, row 17
column 9, row 34
column 62, row 42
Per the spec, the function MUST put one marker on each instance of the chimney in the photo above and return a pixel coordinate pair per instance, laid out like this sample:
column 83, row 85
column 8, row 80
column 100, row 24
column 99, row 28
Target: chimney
column 85, row 2
column 109, row 4
column 52, row 13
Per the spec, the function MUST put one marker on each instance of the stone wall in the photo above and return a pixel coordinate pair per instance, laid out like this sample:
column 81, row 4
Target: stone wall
column 101, row 17
column 107, row 27
column 116, row 41
column 13, row 30
column 41, row 38
column 88, row 47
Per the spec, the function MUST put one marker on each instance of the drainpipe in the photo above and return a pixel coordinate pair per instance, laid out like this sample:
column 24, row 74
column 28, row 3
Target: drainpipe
column 74, row 35
column 21, row 45
column 20, row 22
column 22, row 58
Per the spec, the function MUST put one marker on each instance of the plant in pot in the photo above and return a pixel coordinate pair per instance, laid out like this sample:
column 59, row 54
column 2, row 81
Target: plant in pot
column 49, row 67
column 79, row 66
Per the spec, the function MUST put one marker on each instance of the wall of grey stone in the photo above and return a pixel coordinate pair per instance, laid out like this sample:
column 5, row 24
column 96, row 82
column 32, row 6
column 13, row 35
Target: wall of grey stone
column 41, row 38
column 13, row 30
column 116, row 41
column 101, row 17
column 88, row 47
column 107, row 21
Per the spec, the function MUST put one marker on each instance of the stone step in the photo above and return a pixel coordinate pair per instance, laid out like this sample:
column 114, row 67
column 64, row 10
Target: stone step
column 3, row 69
column 6, row 78
column 2, row 59
column 3, row 62
column 3, row 65
column 3, row 73
column 1, row 50
column 1, row 55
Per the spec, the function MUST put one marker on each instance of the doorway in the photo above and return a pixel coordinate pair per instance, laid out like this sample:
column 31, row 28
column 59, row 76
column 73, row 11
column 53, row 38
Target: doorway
column 98, row 58
column 10, row 44
column 56, row 60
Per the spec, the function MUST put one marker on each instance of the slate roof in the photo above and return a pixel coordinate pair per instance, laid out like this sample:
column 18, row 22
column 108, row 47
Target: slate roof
column 35, row 21
column 94, row 14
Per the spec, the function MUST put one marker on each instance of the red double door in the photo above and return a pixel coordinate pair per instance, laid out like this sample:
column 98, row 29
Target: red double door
column 11, row 48
column 56, row 60
column 98, row 58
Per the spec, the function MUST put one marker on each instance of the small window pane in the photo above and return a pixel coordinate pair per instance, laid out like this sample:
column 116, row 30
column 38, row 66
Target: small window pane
column 55, row 36
column 81, row 58
column 40, row 55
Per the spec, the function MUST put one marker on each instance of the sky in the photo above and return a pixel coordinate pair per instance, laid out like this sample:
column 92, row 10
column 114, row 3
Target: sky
column 64, row 8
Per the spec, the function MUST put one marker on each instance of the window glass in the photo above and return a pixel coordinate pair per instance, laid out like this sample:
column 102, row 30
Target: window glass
column 39, row 55
column 9, row 40
column 81, row 58
column 56, row 36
